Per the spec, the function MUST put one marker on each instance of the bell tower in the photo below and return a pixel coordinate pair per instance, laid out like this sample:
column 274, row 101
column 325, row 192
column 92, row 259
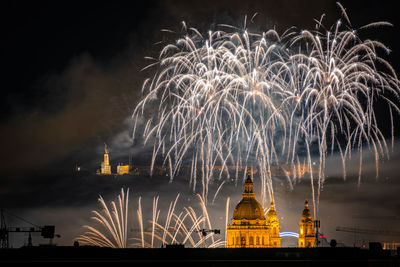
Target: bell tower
column 306, row 233
column 105, row 165
column 273, row 223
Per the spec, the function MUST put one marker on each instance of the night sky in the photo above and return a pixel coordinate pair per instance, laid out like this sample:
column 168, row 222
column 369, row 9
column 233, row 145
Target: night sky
column 71, row 78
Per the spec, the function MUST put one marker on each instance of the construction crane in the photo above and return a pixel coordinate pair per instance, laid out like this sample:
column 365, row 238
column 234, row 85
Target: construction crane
column 206, row 231
column 360, row 231
column 46, row 231
column 380, row 218
column 367, row 231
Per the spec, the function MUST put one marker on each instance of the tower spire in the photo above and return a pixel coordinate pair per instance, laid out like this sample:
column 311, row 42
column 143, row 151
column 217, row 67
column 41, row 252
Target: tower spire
column 105, row 148
column 105, row 165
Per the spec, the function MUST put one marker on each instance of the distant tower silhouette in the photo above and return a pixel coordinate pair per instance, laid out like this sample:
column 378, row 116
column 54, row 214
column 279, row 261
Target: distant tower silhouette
column 306, row 235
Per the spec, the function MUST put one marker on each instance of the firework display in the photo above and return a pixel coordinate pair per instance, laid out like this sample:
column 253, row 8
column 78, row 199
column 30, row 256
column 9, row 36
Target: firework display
column 232, row 97
column 184, row 227
column 114, row 222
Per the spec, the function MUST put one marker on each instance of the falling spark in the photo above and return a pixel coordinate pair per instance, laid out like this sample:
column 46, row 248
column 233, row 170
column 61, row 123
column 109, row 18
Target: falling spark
column 182, row 227
column 113, row 222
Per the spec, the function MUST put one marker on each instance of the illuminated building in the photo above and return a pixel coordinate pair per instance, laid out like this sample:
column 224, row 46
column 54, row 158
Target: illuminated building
column 250, row 228
column 306, row 233
column 123, row 169
column 105, row 165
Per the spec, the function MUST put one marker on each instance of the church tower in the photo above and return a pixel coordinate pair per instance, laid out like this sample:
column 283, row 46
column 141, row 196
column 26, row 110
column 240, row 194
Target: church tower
column 306, row 234
column 273, row 224
column 105, row 165
column 249, row 228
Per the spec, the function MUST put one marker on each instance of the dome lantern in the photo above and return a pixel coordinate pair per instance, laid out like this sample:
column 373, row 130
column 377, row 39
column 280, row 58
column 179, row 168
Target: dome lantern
column 248, row 187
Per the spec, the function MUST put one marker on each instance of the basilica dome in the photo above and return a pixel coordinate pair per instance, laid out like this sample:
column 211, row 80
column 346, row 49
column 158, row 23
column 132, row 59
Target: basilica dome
column 248, row 208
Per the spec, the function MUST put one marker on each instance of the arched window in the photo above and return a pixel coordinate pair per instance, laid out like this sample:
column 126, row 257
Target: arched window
column 243, row 241
column 251, row 240
column 263, row 240
column 257, row 240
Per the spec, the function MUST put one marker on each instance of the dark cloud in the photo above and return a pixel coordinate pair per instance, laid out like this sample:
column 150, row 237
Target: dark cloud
column 95, row 101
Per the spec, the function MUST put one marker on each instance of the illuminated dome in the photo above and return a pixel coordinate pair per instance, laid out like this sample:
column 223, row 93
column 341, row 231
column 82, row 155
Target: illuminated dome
column 248, row 208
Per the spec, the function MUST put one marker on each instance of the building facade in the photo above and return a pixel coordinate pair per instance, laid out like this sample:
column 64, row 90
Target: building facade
column 249, row 227
column 123, row 169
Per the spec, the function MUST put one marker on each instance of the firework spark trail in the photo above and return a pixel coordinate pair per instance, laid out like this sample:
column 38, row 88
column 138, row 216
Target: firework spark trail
column 140, row 220
column 240, row 98
column 207, row 100
column 228, row 199
column 340, row 85
column 114, row 221
column 183, row 227
column 156, row 214
column 179, row 228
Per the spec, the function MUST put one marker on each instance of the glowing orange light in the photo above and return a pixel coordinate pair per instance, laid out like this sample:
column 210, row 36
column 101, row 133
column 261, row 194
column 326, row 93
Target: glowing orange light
column 328, row 79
